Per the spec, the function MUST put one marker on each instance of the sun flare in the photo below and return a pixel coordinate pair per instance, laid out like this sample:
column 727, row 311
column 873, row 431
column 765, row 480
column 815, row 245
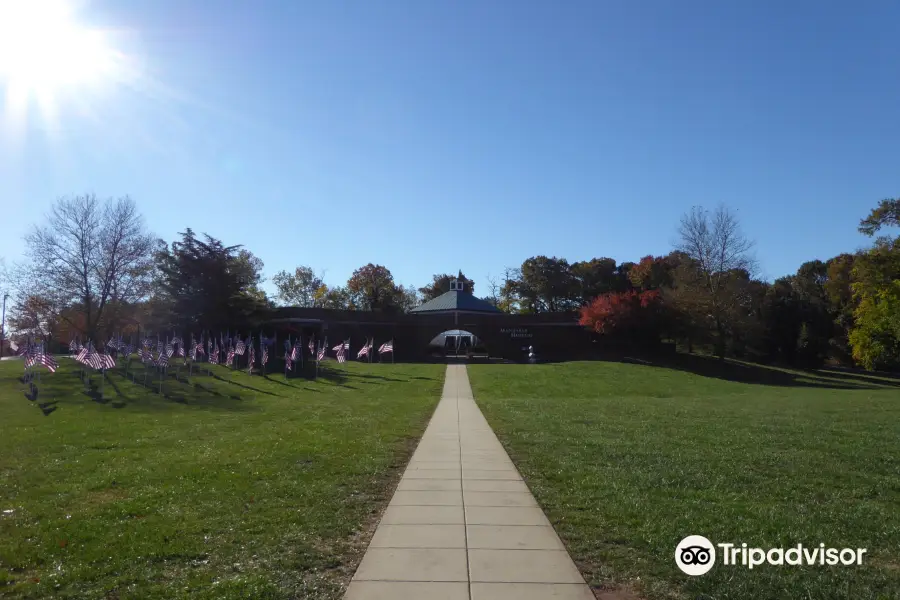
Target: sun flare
column 46, row 54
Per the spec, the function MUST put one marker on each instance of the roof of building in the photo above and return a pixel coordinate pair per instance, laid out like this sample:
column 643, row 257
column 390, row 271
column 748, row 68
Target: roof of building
column 456, row 300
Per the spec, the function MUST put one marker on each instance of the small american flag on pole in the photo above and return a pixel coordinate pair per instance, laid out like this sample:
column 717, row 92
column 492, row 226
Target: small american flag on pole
column 265, row 354
column 364, row 351
column 321, row 355
column 341, row 350
column 229, row 358
column 386, row 347
column 163, row 360
column 312, row 346
column 240, row 348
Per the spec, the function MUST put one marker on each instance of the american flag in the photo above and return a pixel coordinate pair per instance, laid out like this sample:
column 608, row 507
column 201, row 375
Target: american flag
column 127, row 350
column 386, row 347
column 111, row 344
column 230, row 358
column 341, row 351
column 364, row 351
column 170, row 349
column 321, row 355
column 288, row 365
column 180, row 348
column 265, row 354
column 214, row 355
column 251, row 359
column 159, row 346
column 240, row 348
column 312, row 346
column 48, row 361
column 162, row 360
column 145, row 354
column 295, row 351
column 106, row 361
column 93, row 360
column 74, row 346
column 82, row 355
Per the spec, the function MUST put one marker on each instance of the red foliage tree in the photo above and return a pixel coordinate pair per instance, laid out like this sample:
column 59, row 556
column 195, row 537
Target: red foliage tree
column 624, row 313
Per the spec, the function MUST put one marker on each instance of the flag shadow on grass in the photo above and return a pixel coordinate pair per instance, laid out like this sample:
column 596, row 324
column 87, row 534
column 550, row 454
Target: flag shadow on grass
column 336, row 377
column 752, row 373
column 246, row 387
column 206, row 397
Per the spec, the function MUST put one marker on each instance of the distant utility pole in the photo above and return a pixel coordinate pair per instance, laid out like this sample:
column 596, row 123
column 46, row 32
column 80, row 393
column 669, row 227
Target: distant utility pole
column 3, row 325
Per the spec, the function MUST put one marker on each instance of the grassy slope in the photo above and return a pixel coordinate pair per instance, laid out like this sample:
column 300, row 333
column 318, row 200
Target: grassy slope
column 241, row 487
column 628, row 459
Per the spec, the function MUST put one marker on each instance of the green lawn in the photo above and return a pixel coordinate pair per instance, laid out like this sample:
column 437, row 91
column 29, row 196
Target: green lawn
column 628, row 459
column 228, row 486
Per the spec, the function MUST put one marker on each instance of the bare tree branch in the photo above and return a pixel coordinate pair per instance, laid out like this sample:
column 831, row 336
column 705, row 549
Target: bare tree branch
column 90, row 253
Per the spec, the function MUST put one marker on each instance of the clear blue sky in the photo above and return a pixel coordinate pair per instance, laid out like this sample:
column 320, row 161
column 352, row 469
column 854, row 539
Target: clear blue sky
column 432, row 136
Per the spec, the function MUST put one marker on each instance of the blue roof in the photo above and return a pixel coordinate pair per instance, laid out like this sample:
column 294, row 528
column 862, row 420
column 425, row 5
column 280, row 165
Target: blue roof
column 456, row 300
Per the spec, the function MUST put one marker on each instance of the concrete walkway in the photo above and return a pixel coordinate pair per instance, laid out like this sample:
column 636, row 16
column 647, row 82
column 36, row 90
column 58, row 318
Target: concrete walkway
column 462, row 524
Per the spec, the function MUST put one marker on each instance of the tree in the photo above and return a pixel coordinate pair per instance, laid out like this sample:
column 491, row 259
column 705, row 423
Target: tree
column 652, row 272
column 372, row 288
column 33, row 317
column 886, row 214
column 838, row 290
column 875, row 336
column 335, row 298
column 545, row 284
column 88, row 254
column 407, row 298
column 631, row 315
column 591, row 278
column 711, row 282
column 509, row 301
column 440, row 284
column 204, row 284
column 297, row 288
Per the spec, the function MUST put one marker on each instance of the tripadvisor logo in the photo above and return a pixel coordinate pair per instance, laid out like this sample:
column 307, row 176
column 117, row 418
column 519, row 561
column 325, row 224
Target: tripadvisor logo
column 696, row 555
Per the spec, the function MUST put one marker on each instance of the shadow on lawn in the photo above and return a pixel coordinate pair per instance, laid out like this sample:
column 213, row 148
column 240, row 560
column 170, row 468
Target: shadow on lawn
column 742, row 372
column 246, row 387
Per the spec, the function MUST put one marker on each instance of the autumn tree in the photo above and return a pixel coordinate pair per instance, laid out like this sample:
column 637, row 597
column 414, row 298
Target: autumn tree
column 88, row 254
column 440, row 284
column 297, row 288
column 653, row 272
column 34, row 317
column 372, row 287
column 633, row 316
column 710, row 286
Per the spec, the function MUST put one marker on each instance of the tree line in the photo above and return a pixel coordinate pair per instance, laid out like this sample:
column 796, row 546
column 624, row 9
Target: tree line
column 93, row 269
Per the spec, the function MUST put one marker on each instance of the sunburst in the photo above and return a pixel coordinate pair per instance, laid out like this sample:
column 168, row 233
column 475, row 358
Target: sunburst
column 49, row 59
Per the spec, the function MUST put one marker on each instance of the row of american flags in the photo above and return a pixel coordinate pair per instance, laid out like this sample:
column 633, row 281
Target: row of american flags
column 221, row 350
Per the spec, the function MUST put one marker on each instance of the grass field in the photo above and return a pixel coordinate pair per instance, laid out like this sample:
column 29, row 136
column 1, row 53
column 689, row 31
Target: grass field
column 628, row 459
column 229, row 486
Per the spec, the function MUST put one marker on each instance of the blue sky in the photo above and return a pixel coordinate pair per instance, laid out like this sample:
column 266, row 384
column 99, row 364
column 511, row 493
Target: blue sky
column 433, row 136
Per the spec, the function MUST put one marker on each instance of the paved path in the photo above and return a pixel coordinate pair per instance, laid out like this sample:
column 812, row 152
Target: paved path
column 462, row 524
